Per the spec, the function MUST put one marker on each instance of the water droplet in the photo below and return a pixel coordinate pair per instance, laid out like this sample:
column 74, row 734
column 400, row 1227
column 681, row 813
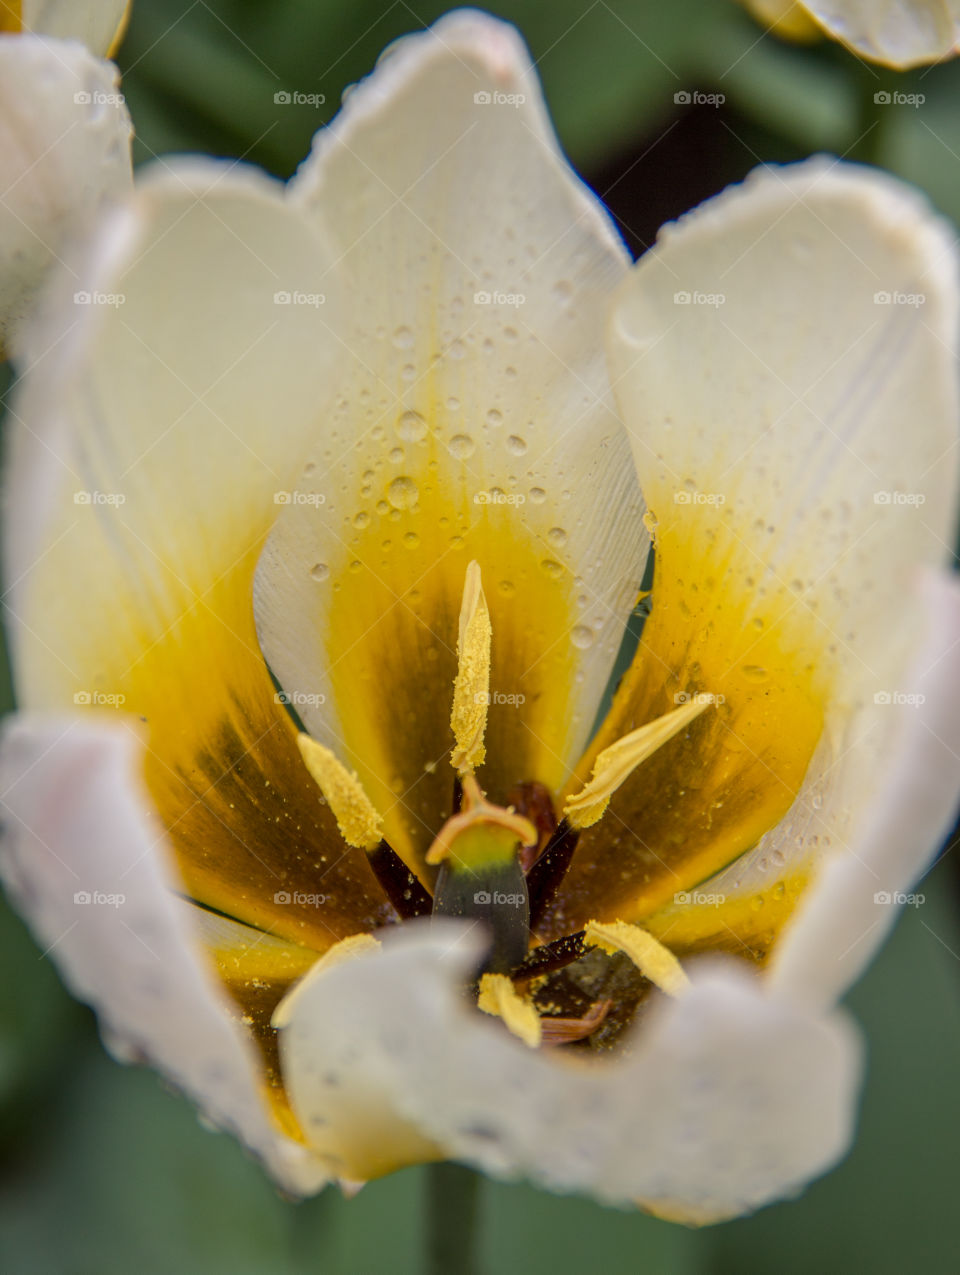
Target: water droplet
column 557, row 537
column 402, row 493
column 397, row 455
column 356, row 564
column 551, row 568
column 779, row 891
column 403, row 339
column 411, row 539
column 411, row 427
column 537, row 495
column 756, row 903
column 408, row 372
column 361, row 520
column 453, row 404
column 582, row 637
column 382, row 507
column 461, row 446
column 516, row 445
column 494, row 418
column 511, row 373
column 319, row 571
column 506, row 587
column 563, row 290
column 457, row 350
column 510, row 334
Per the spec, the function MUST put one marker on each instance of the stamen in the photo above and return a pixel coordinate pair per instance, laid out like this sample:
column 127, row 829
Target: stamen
column 353, row 810
column 347, row 949
column 564, row 1031
column 616, row 763
column 499, row 997
column 652, row 959
column 471, row 687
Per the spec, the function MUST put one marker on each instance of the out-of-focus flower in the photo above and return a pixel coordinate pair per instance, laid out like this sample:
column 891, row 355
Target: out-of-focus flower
column 380, row 440
column 64, row 140
column 896, row 33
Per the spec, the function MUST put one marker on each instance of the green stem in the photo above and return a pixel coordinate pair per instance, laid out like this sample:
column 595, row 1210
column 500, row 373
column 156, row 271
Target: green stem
column 874, row 118
column 451, row 1210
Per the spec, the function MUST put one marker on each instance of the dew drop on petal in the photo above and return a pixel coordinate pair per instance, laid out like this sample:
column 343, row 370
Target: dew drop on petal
column 402, row 493
column 557, row 537
column 361, row 520
column 397, row 455
column 551, row 568
column 516, row 445
column 411, row 539
column 403, row 338
column 537, row 495
column 494, row 418
column 319, row 571
column 411, row 427
column 582, row 637
column 461, row 446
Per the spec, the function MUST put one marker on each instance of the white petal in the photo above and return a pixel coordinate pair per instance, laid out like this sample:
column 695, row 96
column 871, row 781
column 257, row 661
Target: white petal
column 914, row 783
column 480, row 268
column 98, row 23
column 899, row 33
column 86, row 863
column 785, row 364
column 727, row 1100
column 160, row 420
column 64, row 152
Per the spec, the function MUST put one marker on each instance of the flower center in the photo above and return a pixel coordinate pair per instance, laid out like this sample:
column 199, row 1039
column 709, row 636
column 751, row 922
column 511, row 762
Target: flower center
column 498, row 865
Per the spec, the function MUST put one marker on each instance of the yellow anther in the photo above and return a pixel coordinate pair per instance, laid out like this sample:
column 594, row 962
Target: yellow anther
column 347, row 949
column 616, row 763
column 652, row 959
column 499, row 997
column 471, row 688
column 353, row 810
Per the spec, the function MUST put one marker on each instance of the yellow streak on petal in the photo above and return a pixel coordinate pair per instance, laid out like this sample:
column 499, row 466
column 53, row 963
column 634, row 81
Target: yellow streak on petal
column 787, row 19
column 499, row 997
column 652, row 959
column 617, row 762
column 346, row 950
column 471, row 688
column 356, row 817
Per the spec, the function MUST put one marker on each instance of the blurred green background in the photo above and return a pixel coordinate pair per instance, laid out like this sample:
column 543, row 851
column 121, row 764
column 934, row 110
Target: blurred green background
column 102, row 1172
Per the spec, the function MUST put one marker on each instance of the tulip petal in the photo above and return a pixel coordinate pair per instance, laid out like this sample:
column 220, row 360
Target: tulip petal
column 86, row 864
column 897, row 33
column 913, row 786
column 64, row 153
column 470, row 420
column 157, row 426
column 795, row 432
column 728, row 1099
